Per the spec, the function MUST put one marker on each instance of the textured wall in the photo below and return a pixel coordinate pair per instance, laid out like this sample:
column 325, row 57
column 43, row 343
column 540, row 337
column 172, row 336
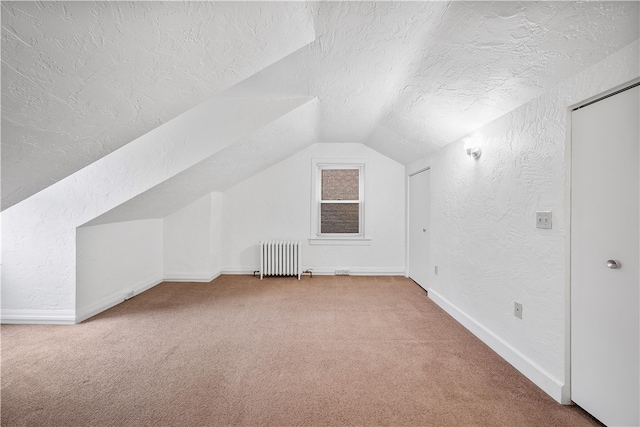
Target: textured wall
column 39, row 234
column 484, row 240
column 276, row 205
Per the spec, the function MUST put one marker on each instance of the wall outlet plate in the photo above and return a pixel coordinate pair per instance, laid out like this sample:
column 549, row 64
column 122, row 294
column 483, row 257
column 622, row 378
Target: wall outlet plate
column 342, row 272
column 517, row 310
column 543, row 219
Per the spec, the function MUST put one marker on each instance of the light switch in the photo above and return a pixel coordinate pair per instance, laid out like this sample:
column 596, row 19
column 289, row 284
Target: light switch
column 543, row 219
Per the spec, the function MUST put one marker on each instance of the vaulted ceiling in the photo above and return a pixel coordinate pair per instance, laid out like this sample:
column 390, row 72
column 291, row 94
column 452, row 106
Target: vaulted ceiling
column 82, row 79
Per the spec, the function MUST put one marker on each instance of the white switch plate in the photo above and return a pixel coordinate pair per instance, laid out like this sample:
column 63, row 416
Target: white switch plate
column 543, row 219
column 517, row 310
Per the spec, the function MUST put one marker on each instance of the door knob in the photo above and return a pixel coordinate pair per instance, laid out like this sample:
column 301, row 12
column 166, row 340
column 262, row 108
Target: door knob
column 613, row 264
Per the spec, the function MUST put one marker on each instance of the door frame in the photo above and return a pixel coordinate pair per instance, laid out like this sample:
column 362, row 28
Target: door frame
column 407, row 249
column 566, row 389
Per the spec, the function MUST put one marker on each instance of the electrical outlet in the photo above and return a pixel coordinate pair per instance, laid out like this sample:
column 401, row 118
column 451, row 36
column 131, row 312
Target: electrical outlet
column 517, row 310
column 435, row 270
column 543, row 219
column 342, row 272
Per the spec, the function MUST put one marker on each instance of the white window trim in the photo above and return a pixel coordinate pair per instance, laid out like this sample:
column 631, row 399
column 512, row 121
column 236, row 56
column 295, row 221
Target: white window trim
column 318, row 238
column 345, row 241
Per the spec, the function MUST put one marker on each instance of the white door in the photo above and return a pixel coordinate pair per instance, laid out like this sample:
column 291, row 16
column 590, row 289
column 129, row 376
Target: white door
column 419, row 207
column 605, row 300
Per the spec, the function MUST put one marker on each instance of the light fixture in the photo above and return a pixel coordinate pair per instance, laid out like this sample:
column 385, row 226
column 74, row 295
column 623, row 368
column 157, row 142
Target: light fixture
column 474, row 152
column 472, row 145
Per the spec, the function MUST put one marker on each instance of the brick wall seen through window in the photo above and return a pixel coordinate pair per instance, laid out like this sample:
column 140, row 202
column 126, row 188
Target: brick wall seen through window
column 340, row 201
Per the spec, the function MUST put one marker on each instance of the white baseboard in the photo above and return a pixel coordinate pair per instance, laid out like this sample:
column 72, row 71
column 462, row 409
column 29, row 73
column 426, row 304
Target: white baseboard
column 70, row 317
column 377, row 271
column 360, row 271
column 190, row 277
column 116, row 298
column 240, row 271
column 540, row 377
column 327, row 271
column 38, row 317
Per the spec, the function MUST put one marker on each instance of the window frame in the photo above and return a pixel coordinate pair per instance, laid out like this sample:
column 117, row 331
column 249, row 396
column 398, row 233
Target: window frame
column 318, row 165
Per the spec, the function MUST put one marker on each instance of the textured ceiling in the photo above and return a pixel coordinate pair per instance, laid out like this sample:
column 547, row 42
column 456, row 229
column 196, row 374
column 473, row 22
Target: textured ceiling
column 286, row 135
column 80, row 80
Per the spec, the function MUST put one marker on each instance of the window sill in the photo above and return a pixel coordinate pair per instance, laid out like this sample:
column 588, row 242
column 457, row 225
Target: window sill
column 345, row 241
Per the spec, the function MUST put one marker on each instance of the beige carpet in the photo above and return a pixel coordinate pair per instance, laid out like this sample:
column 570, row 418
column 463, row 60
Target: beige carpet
column 326, row 350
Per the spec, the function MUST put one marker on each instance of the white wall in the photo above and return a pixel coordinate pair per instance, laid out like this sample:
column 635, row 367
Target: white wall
column 275, row 204
column 484, row 240
column 215, row 234
column 192, row 241
column 39, row 233
column 114, row 260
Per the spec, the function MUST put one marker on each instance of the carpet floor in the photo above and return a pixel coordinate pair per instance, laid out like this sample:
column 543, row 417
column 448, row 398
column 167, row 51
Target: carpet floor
column 327, row 350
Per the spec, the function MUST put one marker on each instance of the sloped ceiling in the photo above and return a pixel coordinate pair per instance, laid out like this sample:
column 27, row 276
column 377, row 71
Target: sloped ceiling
column 279, row 139
column 80, row 80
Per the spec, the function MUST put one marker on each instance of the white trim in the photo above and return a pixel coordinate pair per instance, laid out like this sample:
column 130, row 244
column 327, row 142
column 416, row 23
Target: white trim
column 419, row 171
column 329, row 271
column 190, row 277
column 566, row 395
column 116, row 298
column 599, row 96
column 317, row 166
column 359, row 271
column 240, row 271
column 543, row 379
column 351, row 241
column 407, row 200
column 38, row 317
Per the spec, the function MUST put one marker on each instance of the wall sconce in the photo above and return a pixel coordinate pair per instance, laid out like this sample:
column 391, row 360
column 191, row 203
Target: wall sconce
column 472, row 145
column 474, row 152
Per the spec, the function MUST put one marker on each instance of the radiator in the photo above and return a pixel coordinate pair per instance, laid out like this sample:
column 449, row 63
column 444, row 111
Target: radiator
column 278, row 258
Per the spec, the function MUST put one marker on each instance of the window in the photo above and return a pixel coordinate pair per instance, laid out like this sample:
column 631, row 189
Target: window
column 338, row 204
